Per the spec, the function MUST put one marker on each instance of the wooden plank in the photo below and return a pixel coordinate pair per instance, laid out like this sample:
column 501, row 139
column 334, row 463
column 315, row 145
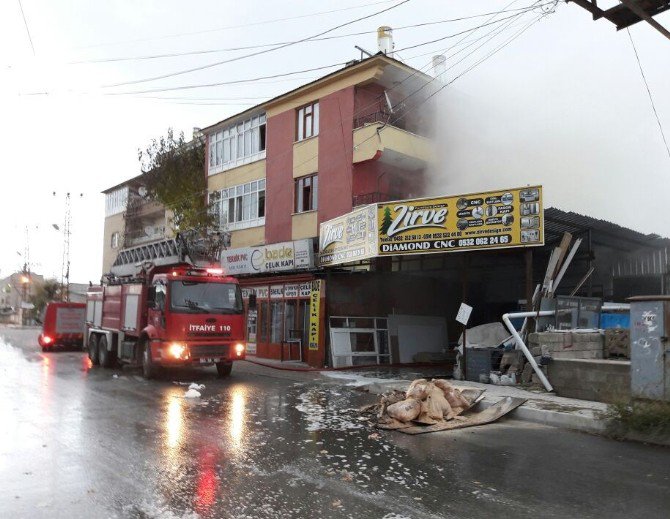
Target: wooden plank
column 553, row 260
column 582, row 281
column 564, row 246
column 566, row 264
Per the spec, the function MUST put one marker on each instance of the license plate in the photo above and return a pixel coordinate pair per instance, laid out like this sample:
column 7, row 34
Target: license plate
column 210, row 360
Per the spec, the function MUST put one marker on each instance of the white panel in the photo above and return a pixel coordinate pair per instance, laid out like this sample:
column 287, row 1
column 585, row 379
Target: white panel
column 69, row 320
column 97, row 317
column 90, row 311
column 130, row 313
column 340, row 346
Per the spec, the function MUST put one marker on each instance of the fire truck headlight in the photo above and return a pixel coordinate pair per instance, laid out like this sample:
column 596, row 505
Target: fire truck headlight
column 46, row 339
column 177, row 350
column 239, row 349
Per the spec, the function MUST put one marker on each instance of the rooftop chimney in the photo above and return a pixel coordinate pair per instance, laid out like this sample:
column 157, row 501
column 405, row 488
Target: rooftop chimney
column 385, row 40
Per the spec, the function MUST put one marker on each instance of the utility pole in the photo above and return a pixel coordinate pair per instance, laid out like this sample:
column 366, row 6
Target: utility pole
column 65, row 268
column 67, row 232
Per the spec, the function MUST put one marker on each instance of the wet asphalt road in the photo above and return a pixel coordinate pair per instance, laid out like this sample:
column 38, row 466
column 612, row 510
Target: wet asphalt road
column 80, row 442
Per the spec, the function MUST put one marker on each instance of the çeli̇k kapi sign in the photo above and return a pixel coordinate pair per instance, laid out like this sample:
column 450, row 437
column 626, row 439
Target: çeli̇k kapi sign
column 491, row 220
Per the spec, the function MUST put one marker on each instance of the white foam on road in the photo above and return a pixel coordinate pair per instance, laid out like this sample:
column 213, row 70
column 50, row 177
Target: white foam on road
column 192, row 393
column 356, row 380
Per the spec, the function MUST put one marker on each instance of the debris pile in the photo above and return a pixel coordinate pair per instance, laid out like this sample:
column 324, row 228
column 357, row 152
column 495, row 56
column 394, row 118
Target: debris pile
column 435, row 405
column 425, row 402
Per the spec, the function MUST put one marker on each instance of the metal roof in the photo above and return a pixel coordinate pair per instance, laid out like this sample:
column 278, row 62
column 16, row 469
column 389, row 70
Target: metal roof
column 609, row 234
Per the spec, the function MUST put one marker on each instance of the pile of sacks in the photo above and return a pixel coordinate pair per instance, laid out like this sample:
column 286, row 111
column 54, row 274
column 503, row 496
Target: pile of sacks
column 424, row 403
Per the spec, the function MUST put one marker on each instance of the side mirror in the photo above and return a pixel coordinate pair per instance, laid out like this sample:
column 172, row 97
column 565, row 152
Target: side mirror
column 252, row 300
column 151, row 297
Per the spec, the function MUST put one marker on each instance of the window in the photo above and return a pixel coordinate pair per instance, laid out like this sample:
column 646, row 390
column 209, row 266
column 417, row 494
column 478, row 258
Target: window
column 200, row 297
column 115, row 202
column 237, row 144
column 161, row 295
column 306, row 193
column 240, row 206
column 308, row 121
column 115, row 240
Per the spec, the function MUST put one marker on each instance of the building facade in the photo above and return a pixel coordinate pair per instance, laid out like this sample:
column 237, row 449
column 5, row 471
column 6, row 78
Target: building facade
column 278, row 170
column 131, row 220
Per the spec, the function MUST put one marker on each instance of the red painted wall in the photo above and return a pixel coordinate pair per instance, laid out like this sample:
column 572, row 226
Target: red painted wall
column 279, row 177
column 336, row 113
column 368, row 99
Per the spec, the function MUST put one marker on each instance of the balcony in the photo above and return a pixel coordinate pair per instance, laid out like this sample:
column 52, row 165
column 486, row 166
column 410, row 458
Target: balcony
column 372, row 198
column 140, row 207
column 391, row 145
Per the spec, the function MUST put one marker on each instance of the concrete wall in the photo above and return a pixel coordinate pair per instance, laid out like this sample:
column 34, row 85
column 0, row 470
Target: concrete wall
column 567, row 345
column 114, row 223
column 600, row 380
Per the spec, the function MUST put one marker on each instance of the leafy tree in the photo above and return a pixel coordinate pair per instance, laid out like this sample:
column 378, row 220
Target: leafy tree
column 386, row 221
column 50, row 290
column 173, row 172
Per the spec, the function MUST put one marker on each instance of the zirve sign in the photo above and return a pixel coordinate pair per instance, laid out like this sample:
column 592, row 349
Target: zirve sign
column 490, row 220
column 494, row 219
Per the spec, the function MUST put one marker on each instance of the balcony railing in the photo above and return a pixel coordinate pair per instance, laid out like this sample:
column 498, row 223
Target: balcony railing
column 383, row 116
column 371, row 198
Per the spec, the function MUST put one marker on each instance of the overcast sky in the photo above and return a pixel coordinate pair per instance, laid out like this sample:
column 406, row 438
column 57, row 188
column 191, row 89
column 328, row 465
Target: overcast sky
column 562, row 105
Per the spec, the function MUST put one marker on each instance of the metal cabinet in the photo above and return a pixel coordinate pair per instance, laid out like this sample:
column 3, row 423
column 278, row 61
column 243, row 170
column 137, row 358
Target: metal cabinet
column 649, row 347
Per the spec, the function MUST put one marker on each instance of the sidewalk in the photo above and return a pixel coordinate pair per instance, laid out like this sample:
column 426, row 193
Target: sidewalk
column 540, row 407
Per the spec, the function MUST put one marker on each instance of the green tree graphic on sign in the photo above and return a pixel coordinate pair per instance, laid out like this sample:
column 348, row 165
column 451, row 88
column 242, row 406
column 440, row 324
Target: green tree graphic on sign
column 387, row 221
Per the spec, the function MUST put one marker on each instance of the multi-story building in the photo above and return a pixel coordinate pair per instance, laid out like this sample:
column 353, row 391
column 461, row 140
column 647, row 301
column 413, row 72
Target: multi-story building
column 131, row 220
column 279, row 169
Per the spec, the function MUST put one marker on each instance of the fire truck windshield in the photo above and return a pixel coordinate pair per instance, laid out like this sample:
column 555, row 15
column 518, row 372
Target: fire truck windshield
column 193, row 297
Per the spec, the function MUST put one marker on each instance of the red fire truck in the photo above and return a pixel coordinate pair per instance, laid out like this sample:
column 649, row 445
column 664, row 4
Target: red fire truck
column 158, row 310
column 62, row 325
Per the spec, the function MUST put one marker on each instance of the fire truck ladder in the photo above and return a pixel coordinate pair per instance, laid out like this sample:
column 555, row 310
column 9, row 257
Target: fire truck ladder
column 164, row 252
column 185, row 247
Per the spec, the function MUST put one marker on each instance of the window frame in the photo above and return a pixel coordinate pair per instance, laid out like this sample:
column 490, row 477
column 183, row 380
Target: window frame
column 303, row 115
column 240, row 143
column 241, row 206
column 299, row 187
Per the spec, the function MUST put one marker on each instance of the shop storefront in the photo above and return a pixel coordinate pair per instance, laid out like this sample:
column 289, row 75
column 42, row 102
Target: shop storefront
column 283, row 324
column 281, row 316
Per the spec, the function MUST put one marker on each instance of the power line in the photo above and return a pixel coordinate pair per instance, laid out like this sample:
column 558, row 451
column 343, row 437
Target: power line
column 25, row 22
column 209, row 85
column 653, row 106
column 266, row 51
column 239, row 26
column 221, row 83
column 265, row 45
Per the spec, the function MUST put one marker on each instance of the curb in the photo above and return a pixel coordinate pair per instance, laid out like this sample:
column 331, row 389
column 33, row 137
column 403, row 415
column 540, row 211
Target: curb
column 583, row 420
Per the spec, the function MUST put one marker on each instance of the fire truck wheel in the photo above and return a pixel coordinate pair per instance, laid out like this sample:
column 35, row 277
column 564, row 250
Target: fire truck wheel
column 105, row 356
column 149, row 369
column 93, row 349
column 224, row 368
